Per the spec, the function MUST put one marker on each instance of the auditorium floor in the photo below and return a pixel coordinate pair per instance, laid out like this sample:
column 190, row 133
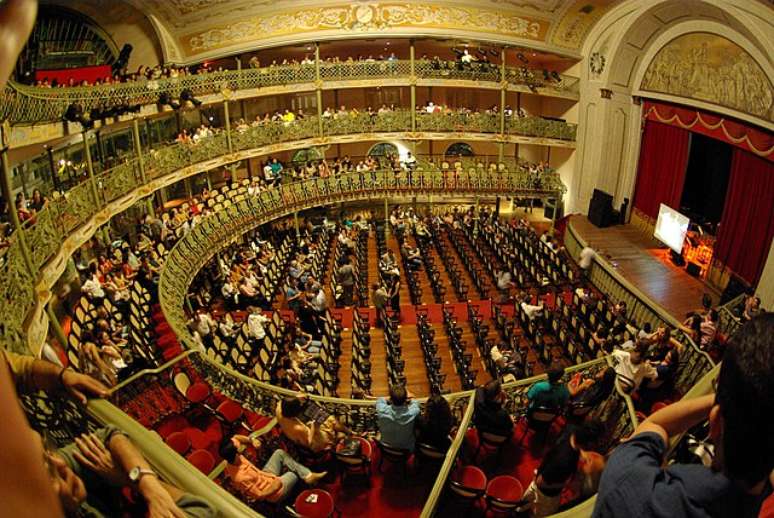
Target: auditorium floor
column 646, row 267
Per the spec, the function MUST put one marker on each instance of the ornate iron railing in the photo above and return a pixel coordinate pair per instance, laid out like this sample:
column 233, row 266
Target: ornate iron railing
column 22, row 104
column 729, row 322
column 695, row 363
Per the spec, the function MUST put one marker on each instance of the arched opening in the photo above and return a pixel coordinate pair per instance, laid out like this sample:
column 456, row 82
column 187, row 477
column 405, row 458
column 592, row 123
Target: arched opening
column 310, row 154
column 383, row 149
column 459, row 149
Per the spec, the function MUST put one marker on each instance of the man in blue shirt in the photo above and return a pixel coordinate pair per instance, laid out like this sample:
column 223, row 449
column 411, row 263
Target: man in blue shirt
column 741, row 426
column 551, row 393
column 395, row 418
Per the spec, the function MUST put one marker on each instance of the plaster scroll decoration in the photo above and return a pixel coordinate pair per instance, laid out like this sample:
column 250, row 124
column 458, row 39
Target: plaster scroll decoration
column 367, row 17
column 596, row 64
column 577, row 22
column 713, row 69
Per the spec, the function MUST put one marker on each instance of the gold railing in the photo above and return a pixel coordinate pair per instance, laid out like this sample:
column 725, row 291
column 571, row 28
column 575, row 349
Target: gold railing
column 67, row 213
column 22, row 104
column 695, row 363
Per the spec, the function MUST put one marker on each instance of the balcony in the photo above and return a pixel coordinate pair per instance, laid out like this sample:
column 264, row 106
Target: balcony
column 22, row 105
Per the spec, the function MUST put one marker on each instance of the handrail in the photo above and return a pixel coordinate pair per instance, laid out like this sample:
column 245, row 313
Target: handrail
column 728, row 323
column 145, row 372
column 90, row 203
column 451, row 458
column 168, row 464
column 22, row 104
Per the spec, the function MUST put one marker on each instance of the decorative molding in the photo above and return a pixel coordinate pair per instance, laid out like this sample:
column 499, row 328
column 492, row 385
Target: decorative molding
column 710, row 68
column 369, row 17
column 577, row 21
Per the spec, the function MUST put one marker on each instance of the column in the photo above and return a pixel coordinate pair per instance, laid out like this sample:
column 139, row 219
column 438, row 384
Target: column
column 141, row 163
column 7, row 189
column 228, row 126
column 90, row 170
column 52, row 165
column 295, row 224
column 386, row 220
column 318, row 89
column 503, row 90
column 413, row 83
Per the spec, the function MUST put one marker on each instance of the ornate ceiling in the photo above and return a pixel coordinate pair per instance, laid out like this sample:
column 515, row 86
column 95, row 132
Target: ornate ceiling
column 197, row 29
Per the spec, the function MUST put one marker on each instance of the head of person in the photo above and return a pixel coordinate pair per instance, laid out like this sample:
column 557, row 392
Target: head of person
column 638, row 353
column 291, row 406
column 588, row 434
column 647, row 327
column 741, row 423
column 493, row 391
column 712, row 315
column 398, row 395
column 706, row 301
column 438, row 411
column 555, row 375
column 229, row 451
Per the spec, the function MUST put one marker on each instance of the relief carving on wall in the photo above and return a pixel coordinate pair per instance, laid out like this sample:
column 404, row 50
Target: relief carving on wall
column 713, row 69
column 367, row 17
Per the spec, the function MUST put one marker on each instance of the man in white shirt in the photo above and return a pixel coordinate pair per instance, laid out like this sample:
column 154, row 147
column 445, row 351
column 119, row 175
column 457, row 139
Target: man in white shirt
column 255, row 322
column 531, row 310
column 586, row 258
column 632, row 368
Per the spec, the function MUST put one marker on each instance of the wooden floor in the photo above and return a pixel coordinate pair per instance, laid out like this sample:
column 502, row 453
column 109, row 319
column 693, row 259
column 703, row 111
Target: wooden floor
column 646, row 267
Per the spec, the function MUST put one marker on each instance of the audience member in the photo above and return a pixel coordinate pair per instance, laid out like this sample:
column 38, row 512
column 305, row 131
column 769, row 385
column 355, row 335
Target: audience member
column 489, row 414
column 434, row 425
column 551, row 393
column 395, row 418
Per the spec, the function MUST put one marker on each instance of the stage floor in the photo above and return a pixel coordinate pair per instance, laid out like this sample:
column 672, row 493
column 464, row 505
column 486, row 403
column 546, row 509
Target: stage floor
column 646, row 267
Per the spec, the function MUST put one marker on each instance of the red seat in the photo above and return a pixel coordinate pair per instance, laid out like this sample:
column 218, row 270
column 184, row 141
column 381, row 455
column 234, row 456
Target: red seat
column 171, row 352
column 504, row 494
column 230, row 410
column 179, row 442
column 359, row 464
column 322, row 507
column 199, row 439
column 175, row 423
column 468, row 482
column 202, row 460
column 168, row 340
column 256, row 421
column 197, row 392
column 162, row 328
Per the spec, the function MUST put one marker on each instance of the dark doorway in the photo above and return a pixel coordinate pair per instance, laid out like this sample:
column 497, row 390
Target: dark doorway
column 706, row 179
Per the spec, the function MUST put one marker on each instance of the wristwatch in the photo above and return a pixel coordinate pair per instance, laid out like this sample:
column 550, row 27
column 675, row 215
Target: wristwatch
column 136, row 473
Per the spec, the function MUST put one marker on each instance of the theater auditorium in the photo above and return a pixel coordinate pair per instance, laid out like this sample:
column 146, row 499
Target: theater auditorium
column 434, row 258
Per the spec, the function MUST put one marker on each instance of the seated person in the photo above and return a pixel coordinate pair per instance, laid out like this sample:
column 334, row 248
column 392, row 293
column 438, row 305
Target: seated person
column 489, row 415
column 551, row 393
column 88, row 473
column 312, row 436
column 395, row 418
column 434, row 425
column 507, row 360
column 269, row 483
column 590, row 392
column 560, row 464
column 638, row 482
column 531, row 310
column 631, row 367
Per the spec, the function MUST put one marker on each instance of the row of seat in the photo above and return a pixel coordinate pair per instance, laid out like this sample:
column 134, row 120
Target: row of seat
column 430, row 354
column 463, row 360
column 447, row 258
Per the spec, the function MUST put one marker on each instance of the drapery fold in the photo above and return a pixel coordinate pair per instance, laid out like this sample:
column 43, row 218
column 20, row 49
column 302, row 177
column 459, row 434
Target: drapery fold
column 661, row 170
column 747, row 225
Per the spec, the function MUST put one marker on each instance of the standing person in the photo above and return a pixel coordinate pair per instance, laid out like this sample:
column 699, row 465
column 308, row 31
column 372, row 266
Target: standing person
column 255, row 329
column 395, row 418
column 585, row 260
column 346, row 274
column 636, row 481
column 379, row 298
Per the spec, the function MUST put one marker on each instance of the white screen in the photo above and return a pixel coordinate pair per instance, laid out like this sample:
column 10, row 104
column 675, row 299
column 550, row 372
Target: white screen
column 671, row 228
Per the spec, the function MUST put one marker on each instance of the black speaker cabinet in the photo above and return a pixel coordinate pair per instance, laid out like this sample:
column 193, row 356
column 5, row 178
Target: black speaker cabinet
column 693, row 269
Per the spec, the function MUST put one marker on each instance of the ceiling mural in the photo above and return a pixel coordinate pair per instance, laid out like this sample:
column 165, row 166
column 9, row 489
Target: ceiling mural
column 577, row 20
column 713, row 69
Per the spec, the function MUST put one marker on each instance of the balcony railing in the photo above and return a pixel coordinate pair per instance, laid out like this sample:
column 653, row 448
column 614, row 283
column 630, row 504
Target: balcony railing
column 22, row 104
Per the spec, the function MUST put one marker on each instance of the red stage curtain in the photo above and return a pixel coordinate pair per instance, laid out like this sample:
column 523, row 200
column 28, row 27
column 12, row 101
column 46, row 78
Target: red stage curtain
column 661, row 171
column 736, row 133
column 747, row 226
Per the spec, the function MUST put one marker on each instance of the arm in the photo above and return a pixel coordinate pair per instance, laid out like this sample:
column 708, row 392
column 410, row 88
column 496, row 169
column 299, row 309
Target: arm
column 42, row 375
column 677, row 417
column 159, row 497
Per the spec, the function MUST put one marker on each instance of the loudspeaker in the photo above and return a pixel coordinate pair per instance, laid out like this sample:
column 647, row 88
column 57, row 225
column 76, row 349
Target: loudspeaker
column 601, row 209
column 693, row 269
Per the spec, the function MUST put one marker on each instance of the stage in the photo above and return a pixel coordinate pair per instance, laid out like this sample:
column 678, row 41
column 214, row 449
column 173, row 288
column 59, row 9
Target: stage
column 645, row 266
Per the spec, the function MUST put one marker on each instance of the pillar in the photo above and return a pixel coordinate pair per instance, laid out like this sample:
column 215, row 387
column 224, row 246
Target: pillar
column 318, row 89
column 228, row 126
column 503, row 90
column 141, row 163
column 93, row 183
column 413, row 83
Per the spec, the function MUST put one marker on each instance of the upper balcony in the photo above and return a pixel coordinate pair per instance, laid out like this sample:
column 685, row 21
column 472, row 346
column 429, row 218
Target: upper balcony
column 25, row 105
